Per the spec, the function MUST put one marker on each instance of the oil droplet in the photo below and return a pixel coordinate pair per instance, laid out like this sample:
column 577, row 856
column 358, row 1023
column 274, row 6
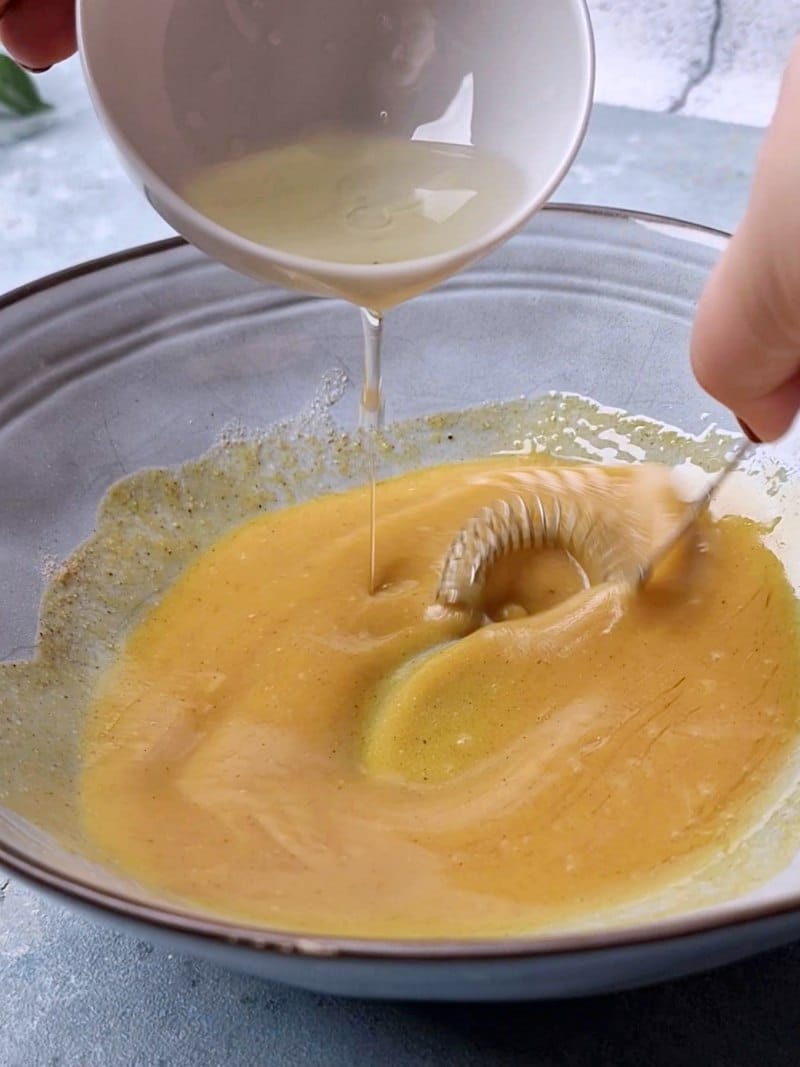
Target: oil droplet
column 369, row 218
column 275, row 38
column 383, row 116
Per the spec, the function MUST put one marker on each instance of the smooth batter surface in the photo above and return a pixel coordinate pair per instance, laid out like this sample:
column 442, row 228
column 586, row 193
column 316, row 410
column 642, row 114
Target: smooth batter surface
column 277, row 746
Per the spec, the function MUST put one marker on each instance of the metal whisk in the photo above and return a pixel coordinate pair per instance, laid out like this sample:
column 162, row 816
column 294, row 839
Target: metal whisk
column 556, row 516
column 695, row 510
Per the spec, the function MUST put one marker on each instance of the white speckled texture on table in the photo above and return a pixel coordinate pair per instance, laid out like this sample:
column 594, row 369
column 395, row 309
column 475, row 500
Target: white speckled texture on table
column 73, row 993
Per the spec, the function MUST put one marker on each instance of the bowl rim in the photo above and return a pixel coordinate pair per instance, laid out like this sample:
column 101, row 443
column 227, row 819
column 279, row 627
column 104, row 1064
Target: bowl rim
column 679, row 228
column 176, row 919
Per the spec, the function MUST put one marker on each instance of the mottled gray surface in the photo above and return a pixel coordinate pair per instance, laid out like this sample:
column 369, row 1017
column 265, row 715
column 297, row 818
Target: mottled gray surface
column 64, row 197
column 692, row 169
column 71, row 993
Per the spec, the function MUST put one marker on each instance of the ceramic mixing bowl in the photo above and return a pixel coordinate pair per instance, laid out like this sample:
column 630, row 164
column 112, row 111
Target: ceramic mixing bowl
column 150, row 357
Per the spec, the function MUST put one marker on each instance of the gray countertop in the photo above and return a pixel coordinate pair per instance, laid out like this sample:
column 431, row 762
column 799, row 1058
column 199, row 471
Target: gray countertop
column 75, row 993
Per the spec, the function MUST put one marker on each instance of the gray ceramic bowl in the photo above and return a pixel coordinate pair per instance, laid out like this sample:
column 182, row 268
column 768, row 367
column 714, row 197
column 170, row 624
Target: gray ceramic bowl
column 141, row 359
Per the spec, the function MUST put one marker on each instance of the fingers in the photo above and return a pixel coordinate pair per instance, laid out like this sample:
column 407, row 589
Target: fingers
column 38, row 33
column 746, row 338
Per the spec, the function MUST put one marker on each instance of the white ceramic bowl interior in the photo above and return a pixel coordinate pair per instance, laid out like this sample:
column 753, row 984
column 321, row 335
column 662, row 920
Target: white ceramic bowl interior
column 183, row 84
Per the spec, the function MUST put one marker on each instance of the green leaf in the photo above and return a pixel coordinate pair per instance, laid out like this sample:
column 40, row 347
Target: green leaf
column 18, row 93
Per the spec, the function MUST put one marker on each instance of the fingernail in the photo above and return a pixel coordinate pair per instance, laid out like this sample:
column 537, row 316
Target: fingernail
column 748, row 432
column 35, row 70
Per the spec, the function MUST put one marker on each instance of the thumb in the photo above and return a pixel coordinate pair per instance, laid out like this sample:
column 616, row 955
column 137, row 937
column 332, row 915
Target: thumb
column 38, row 33
column 746, row 337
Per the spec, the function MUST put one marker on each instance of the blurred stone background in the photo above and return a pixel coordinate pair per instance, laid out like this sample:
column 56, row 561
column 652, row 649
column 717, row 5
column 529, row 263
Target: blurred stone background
column 717, row 59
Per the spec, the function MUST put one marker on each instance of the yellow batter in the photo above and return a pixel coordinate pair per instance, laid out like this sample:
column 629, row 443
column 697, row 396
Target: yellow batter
column 277, row 746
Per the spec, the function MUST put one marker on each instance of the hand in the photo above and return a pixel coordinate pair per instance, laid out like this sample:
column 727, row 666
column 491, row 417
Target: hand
column 746, row 338
column 38, row 33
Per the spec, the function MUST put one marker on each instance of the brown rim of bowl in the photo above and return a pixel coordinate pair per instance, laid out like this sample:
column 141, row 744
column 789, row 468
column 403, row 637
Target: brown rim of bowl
column 321, row 946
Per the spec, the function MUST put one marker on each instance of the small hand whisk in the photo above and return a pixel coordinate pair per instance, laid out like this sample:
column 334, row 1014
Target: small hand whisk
column 562, row 512
column 695, row 510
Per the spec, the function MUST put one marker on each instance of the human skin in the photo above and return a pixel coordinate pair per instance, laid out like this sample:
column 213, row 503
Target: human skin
column 746, row 338
column 38, row 33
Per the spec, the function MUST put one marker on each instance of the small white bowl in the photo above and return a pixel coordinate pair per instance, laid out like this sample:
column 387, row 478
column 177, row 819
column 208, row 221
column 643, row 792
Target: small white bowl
column 190, row 83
